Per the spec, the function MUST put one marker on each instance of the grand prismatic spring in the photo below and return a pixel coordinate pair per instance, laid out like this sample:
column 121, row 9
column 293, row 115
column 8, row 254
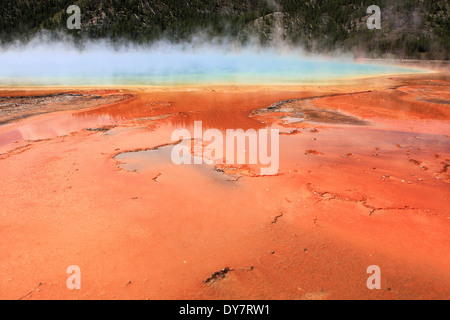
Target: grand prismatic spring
column 87, row 177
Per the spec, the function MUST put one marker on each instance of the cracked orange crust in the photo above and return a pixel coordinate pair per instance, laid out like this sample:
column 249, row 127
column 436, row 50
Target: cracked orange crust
column 308, row 233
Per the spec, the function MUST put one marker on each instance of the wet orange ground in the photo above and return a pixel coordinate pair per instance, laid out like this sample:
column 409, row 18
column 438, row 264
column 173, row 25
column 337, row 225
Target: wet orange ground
column 346, row 197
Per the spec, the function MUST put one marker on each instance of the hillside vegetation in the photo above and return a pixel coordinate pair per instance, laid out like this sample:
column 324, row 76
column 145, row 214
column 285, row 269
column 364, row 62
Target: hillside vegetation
column 409, row 28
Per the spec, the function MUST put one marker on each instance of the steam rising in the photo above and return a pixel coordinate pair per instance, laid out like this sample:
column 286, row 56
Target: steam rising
column 46, row 62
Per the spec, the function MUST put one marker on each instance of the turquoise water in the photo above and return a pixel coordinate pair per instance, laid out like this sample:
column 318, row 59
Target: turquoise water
column 103, row 66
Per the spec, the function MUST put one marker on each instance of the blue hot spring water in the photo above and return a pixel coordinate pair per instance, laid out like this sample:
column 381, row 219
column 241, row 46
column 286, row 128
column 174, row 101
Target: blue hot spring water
column 101, row 65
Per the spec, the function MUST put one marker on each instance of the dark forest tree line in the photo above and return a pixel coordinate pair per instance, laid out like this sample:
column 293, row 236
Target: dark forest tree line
column 409, row 28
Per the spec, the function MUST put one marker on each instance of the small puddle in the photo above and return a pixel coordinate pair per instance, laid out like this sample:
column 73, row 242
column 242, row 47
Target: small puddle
column 160, row 158
column 142, row 160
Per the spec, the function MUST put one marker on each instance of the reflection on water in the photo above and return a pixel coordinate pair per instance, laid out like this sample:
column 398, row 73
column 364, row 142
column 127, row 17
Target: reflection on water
column 216, row 110
column 180, row 108
column 50, row 127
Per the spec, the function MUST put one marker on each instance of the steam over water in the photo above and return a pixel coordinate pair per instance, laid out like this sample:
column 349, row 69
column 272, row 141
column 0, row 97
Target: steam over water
column 60, row 64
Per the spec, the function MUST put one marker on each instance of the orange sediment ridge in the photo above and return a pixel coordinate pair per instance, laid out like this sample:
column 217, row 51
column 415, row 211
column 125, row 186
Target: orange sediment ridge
column 363, row 180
